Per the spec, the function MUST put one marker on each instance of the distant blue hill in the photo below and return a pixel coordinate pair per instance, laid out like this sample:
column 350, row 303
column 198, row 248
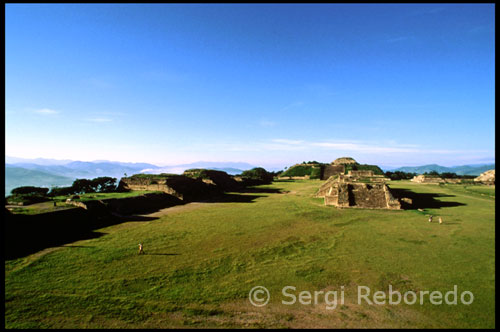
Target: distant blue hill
column 18, row 177
column 31, row 174
column 222, row 164
column 49, row 173
column 459, row 170
column 232, row 168
column 86, row 170
column 38, row 161
column 229, row 170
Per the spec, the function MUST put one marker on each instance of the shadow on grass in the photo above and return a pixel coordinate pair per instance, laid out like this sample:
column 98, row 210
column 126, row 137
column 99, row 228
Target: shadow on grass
column 232, row 198
column 423, row 200
column 27, row 234
column 262, row 190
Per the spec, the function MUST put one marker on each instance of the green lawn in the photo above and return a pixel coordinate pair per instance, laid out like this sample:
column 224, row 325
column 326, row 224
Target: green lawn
column 96, row 196
column 202, row 260
column 48, row 206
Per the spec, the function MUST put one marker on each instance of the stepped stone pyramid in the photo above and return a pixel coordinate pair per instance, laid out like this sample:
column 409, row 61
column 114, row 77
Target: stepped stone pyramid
column 356, row 189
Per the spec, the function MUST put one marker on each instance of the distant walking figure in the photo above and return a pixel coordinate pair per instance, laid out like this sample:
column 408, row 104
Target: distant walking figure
column 141, row 251
column 440, row 220
column 430, row 218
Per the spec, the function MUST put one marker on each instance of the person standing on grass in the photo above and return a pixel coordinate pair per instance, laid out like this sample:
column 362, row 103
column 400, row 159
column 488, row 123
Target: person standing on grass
column 430, row 218
column 141, row 251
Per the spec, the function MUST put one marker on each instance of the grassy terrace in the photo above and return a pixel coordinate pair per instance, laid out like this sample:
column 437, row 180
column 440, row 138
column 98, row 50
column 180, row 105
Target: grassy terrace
column 101, row 196
column 202, row 260
column 48, row 206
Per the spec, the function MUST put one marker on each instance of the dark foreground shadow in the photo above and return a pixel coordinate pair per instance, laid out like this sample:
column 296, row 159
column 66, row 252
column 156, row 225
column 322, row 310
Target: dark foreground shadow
column 423, row 200
column 232, row 198
column 262, row 190
column 27, row 234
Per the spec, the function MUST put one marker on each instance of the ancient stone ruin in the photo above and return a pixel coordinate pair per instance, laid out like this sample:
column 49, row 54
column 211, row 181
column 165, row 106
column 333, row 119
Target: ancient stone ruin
column 183, row 187
column 331, row 170
column 337, row 167
column 219, row 180
column 487, row 177
column 425, row 178
column 358, row 189
column 345, row 165
column 344, row 161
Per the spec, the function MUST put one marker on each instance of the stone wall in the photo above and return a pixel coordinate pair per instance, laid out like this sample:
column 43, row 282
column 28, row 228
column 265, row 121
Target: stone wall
column 180, row 186
column 487, row 177
column 427, row 179
column 331, row 170
column 345, row 192
column 305, row 177
column 360, row 173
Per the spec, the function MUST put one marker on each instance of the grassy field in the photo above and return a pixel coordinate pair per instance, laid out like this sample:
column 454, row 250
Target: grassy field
column 202, row 260
column 95, row 196
column 48, row 206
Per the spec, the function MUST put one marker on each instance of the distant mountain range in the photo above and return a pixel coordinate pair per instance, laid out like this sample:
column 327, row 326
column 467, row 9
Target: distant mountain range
column 49, row 172
column 228, row 167
column 17, row 177
column 459, row 170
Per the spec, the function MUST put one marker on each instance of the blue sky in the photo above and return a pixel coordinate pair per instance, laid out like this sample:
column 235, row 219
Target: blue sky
column 271, row 85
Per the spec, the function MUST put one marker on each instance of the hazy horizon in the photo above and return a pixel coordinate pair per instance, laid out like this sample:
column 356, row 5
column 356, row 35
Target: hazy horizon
column 265, row 84
column 50, row 161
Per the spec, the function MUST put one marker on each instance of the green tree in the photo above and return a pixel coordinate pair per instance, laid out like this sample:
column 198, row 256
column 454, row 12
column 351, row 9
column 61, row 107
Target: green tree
column 61, row 191
column 82, row 186
column 28, row 190
column 104, row 184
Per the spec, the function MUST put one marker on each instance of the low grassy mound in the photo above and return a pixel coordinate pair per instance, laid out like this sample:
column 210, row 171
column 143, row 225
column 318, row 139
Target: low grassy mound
column 222, row 180
column 364, row 167
column 180, row 186
column 255, row 176
column 314, row 171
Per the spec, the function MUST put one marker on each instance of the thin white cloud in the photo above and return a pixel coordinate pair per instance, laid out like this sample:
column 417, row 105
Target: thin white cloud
column 46, row 111
column 100, row 120
column 287, row 141
column 366, row 148
column 343, row 146
column 375, row 148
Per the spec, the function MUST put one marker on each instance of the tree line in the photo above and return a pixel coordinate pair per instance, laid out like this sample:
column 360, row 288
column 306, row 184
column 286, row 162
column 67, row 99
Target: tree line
column 398, row 175
column 104, row 184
